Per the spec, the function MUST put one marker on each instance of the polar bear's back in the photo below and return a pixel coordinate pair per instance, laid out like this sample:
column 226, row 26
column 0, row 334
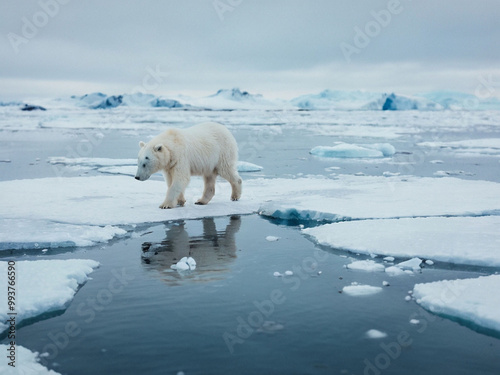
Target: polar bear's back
column 209, row 146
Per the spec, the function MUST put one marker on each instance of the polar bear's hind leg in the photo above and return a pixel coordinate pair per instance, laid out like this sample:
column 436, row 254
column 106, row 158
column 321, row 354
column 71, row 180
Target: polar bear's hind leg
column 209, row 190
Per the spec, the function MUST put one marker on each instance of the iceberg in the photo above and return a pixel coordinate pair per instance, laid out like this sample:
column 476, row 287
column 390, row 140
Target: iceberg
column 346, row 150
column 47, row 286
column 393, row 102
column 454, row 100
column 474, row 302
column 335, row 99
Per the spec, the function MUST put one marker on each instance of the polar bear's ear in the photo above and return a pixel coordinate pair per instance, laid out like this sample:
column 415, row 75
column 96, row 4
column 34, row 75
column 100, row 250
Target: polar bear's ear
column 158, row 147
column 141, row 144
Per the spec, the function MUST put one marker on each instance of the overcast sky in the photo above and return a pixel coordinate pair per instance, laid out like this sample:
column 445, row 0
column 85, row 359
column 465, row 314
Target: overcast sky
column 279, row 48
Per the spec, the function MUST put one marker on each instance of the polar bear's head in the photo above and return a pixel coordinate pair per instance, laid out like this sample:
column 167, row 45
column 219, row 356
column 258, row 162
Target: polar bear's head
column 151, row 159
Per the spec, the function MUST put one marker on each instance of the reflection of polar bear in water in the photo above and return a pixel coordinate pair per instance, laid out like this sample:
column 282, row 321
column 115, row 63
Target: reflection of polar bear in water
column 212, row 251
column 207, row 150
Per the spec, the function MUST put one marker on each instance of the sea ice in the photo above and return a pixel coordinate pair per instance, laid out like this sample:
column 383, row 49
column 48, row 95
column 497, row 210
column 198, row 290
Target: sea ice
column 375, row 334
column 39, row 234
column 361, row 290
column 27, row 363
column 272, row 238
column 412, row 264
column 185, row 264
column 46, row 285
column 366, row 265
column 346, row 150
column 475, row 301
column 461, row 240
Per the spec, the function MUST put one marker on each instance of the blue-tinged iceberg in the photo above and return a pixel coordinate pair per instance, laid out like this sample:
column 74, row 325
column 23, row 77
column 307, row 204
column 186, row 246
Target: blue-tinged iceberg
column 393, row 102
column 336, row 99
column 462, row 101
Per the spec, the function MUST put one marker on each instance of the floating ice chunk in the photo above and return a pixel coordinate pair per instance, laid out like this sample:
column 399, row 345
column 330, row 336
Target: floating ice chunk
column 414, row 321
column 288, row 273
column 366, row 265
column 436, row 162
column 385, row 283
column 27, row 363
column 361, row 290
column 407, row 298
column 394, row 271
column 389, row 259
column 185, row 264
column 429, row 262
column 46, row 285
column 33, row 234
column 277, row 274
column 244, row 166
column 272, row 238
column 375, row 334
column 346, row 150
column 471, row 300
column 413, row 264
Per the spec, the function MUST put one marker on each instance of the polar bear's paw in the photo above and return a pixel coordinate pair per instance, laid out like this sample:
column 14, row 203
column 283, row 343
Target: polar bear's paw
column 167, row 205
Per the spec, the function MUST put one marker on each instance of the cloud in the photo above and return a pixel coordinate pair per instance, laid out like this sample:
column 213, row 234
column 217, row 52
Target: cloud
column 275, row 45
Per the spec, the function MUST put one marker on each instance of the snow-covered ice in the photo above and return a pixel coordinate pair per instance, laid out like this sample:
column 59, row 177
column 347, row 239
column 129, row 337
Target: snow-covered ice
column 119, row 200
column 346, row 150
column 467, row 147
column 462, row 240
column 361, row 290
column 412, row 264
column 272, row 238
column 185, row 264
column 46, row 285
column 27, row 363
column 375, row 334
column 366, row 265
column 475, row 301
column 38, row 234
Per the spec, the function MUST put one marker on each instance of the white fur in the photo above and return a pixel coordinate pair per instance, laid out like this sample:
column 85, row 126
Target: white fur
column 207, row 150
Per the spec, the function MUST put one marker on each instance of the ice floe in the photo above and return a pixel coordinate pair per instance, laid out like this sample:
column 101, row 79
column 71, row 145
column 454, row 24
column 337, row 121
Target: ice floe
column 39, row 234
column 27, row 363
column 46, row 285
column 375, row 334
column 346, row 150
column 119, row 200
column 474, row 301
column 366, row 265
column 462, row 240
column 360, row 290
column 468, row 147
column 185, row 264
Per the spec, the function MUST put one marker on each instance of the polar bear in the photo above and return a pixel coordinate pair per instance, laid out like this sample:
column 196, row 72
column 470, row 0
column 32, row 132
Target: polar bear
column 206, row 149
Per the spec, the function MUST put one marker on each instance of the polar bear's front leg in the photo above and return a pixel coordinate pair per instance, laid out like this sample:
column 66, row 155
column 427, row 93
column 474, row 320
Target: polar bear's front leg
column 175, row 192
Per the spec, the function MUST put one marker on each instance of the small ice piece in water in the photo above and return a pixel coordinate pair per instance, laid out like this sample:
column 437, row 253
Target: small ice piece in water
column 272, row 238
column 414, row 321
column 288, row 273
column 185, row 264
column 375, row 334
column 389, row 259
column 385, row 283
column 436, row 162
column 394, row 271
column 361, row 290
column 407, row 298
column 366, row 265
column 429, row 262
column 277, row 274
column 413, row 264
